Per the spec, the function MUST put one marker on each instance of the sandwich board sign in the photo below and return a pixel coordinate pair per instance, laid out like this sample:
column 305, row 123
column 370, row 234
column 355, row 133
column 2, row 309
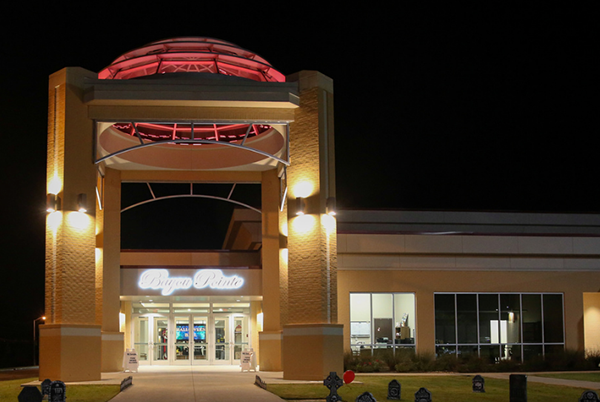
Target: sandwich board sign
column 130, row 361
column 248, row 360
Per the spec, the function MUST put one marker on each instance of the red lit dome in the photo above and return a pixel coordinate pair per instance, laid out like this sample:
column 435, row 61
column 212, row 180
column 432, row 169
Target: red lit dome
column 191, row 55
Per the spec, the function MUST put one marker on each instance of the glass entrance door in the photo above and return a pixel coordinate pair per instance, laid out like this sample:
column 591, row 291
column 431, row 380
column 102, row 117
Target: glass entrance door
column 160, row 348
column 190, row 338
column 182, row 339
column 200, row 340
column 241, row 337
column 141, row 338
column 221, row 338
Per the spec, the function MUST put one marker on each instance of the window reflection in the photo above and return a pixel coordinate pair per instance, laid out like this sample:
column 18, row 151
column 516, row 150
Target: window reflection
column 499, row 326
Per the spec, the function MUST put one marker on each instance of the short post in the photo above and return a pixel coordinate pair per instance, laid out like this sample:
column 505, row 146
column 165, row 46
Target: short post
column 518, row 388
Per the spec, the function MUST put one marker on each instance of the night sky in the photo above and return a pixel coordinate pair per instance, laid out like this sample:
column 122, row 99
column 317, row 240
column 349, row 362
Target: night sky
column 463, row 109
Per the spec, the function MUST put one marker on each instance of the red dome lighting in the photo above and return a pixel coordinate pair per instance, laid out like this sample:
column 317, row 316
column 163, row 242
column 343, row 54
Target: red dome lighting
column 191, row 55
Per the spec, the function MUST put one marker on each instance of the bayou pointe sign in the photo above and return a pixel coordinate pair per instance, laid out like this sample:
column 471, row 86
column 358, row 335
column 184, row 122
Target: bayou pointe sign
column 212, row 278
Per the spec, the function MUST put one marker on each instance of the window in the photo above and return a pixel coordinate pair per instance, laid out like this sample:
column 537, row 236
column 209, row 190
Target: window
column 499, row 326
column 381, row 322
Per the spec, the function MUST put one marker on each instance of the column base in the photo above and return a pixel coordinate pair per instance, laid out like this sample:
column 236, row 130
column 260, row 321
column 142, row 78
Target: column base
column 70, row 352
column 312, row 351
column 113, row 346
column 269, row 346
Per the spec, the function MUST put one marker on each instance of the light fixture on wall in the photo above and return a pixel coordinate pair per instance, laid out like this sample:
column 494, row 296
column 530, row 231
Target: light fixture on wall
column 82, row 202
column 53, row 203
column 331, row 207
column 300, row 206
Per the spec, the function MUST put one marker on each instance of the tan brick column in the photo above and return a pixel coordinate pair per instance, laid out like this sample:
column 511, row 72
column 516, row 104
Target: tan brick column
column 312, row 339
column 270, row 337
column 70, row 340
column 108, row 254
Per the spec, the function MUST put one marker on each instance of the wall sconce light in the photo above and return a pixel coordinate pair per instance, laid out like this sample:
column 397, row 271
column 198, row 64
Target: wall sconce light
column 52, row 202
column 300, row 206
column 330, row 206
column 82, row 202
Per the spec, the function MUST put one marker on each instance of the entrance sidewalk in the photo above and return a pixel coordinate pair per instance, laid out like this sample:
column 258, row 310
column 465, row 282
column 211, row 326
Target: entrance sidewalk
column 189, row 384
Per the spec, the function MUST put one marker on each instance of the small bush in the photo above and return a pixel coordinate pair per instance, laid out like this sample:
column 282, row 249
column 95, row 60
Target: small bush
column 593, row 357
column 365, row 364
column 406, row 360
column 447, row 362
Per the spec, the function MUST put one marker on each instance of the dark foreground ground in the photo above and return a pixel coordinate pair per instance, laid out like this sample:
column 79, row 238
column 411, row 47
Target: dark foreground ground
column 8, row 374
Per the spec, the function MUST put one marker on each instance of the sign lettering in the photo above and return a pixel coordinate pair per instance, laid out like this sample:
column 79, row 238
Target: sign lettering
column 159, row 279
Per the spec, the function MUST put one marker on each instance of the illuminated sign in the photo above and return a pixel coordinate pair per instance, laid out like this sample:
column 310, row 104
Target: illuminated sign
column 213, row 278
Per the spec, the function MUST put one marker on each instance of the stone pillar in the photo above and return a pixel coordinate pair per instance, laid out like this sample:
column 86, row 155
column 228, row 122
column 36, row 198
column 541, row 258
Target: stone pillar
column 70, row 340
column 312, row 339
column 108, row 254
column 270, row 337
column 425, row 322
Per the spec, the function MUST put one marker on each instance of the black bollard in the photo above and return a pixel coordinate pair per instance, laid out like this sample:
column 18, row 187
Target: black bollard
column 518, row 388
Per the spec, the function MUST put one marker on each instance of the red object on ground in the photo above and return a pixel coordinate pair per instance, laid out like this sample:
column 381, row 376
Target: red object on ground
column 348, row 377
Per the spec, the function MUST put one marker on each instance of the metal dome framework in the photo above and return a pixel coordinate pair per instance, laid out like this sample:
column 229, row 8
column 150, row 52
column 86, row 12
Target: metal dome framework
column 194, row 55
column 190, row 54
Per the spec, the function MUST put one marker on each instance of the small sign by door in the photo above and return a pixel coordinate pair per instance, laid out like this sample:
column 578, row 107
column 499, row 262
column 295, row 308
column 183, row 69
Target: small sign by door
column 248, row 361
column 130, row 361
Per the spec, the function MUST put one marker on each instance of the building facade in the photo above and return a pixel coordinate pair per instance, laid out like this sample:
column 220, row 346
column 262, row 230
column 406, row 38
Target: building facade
column 498, row 285
column 292, row 281
column 195, row 110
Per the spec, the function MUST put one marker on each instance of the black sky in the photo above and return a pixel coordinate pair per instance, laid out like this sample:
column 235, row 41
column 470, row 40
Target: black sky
column 479, row 107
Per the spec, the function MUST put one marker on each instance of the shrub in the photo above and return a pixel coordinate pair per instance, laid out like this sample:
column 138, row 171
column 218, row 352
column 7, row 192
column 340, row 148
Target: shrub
column 593, row 357
column 447, row 362
column 423, row 362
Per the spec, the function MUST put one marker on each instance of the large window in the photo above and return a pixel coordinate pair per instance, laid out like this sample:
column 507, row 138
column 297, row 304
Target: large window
column 381, row 322
column 499, row 326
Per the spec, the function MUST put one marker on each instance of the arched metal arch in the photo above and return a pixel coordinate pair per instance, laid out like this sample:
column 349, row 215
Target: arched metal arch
column 201, row 141
column 228, row 199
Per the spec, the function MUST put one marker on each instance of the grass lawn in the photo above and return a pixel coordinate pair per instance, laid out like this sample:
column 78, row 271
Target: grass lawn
column 443, row 389
column 9, row 391
column 573, row 376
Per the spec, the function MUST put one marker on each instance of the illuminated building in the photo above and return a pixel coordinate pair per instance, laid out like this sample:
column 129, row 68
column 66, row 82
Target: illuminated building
column 200, row 110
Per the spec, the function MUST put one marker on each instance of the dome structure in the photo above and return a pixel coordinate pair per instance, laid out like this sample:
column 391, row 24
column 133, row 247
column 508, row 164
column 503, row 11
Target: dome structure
column 191, row 55
column 178, row 144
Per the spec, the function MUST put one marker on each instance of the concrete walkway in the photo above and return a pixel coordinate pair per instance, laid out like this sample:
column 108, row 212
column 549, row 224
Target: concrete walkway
column 531, row 377
column 189, row 384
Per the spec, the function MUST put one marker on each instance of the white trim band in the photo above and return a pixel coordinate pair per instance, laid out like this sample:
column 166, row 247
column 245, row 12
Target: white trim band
column 312, row 331
column 71, row 332
column 270, row 337
column 113, row 337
